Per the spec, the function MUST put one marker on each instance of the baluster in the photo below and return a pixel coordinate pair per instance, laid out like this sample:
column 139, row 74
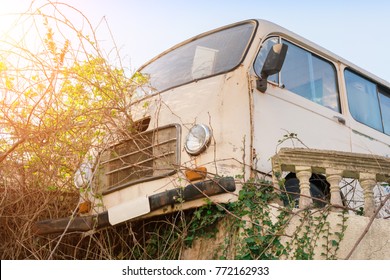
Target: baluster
column 334, row 177
column 303, row 174
column 368, row 182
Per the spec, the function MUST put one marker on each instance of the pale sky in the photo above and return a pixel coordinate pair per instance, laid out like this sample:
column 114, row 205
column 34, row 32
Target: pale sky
column 354, row 29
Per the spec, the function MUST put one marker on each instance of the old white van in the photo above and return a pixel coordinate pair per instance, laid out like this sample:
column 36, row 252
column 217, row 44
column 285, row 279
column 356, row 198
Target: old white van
column 220, row 105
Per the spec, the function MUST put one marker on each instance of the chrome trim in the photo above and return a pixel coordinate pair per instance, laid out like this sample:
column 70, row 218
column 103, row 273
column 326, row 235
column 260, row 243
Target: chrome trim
column 205, row 143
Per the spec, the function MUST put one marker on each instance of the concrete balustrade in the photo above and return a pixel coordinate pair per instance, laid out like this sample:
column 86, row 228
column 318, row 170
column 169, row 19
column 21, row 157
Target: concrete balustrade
column 368, row 169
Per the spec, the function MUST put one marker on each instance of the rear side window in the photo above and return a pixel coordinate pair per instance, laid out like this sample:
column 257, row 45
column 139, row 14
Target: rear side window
column 363, row 100
column 305, row 74
column 384, row 102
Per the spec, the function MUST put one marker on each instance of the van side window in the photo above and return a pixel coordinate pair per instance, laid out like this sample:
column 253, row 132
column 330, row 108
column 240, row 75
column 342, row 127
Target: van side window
column 384, row 100
column 310, row 77
column 363, row 100
column 304, row 74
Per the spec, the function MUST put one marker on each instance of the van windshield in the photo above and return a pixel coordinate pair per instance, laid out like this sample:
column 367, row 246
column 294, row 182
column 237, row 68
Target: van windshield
column 206, row 56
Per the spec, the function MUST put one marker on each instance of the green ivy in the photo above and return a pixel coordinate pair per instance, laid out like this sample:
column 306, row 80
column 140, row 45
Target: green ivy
column 260, row 234
column 203, row 222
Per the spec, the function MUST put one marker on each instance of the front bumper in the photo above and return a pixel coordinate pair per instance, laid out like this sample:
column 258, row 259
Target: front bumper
column 156, row 201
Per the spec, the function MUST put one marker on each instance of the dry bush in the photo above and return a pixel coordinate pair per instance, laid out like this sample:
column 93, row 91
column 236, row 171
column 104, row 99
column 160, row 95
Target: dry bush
column 20, row 208
column 59, row 97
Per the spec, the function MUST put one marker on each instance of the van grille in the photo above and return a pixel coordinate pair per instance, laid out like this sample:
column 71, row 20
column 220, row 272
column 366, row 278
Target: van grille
column 145, row 156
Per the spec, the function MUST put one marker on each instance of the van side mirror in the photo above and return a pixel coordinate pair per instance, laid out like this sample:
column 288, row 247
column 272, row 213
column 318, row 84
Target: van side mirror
column 272, row 65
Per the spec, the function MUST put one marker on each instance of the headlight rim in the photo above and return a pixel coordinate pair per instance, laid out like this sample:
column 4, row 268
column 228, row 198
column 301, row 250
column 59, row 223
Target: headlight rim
column 205, row 143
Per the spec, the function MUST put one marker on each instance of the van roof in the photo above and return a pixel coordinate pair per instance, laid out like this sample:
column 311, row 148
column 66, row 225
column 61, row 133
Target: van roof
column 268, row 28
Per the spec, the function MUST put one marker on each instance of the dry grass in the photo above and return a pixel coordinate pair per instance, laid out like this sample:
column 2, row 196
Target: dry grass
column 21, row 206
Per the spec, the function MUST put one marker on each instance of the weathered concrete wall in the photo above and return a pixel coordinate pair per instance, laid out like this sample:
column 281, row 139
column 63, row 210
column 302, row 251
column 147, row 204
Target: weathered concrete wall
column 374, row 246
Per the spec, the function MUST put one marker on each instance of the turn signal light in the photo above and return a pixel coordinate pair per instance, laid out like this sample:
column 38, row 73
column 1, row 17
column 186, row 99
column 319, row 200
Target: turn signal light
column 84, row 207
column 198, row 173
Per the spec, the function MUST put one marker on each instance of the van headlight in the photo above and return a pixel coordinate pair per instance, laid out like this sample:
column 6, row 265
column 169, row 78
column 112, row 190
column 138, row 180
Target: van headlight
column 197, row 139
column 83, row 175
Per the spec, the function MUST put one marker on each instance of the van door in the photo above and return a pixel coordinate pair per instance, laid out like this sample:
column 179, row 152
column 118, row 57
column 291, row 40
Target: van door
column 300, row 108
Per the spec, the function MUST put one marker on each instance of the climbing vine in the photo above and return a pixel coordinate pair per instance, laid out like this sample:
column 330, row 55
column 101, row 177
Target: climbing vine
column 255, row 227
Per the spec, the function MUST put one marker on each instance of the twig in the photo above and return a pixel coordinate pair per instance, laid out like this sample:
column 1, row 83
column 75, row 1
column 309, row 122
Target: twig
column 4, row 155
